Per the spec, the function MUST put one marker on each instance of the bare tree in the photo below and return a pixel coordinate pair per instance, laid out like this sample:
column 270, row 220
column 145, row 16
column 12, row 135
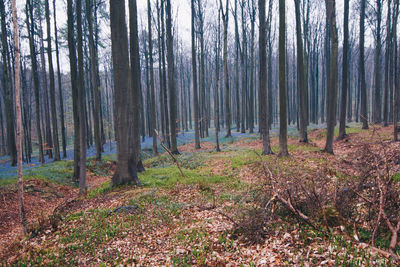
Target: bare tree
column 345, row 70
column 126, row 167
column 364, row 107
column 283, row 150
column 19, row 117
column 333, row 75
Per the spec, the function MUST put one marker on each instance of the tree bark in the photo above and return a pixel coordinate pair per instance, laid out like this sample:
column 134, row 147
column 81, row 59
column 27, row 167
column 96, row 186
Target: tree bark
column 56, row 143
column 333, row 76
column 345, row 71
column 19, row 117
column 125, row 172
column 283, row 150
column 364, row 107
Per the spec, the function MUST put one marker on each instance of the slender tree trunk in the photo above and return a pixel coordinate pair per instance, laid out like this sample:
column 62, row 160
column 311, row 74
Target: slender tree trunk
column 194, row 72
column 217, row 68
column 135, row 85
column 52, row 86
column 387, row 71
column 60, row 92
column 396, row 98
column 333, row 76
column 283, row 150
column 82, row 105
column 301, row 76
column 171, row 77
column 225, row 19
column 152, row 94
column 96, row 89
column 364, row 106
column 345, row 70
column 263, row 93
column 19, row 117
column 377, row 118
column 35, row 74
column 74, row 86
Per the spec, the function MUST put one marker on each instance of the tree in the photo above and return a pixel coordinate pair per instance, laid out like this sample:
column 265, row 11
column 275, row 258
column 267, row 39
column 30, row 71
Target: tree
column 301, row 76
column 345, row 70
column 387, row 71
column 217, row 68
column 396, row 97
column 126, row 168
column 74, row 86
column 252, row 12
column 263, row 108
column 96, row 89
column 56, row 144
column 333, row 75
column 35, row 74
column 82, row 102
column 9, row 106
column 19, row 117
column 152, row 94
column 135, row 84
column 283, row 150
column 194, row 73
column 364, row 107
column 60, row 93
column 171, row 78
column 377, row 116
column 225, row 19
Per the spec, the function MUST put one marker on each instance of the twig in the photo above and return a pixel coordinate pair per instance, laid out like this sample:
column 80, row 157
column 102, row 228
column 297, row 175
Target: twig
column 170, row 153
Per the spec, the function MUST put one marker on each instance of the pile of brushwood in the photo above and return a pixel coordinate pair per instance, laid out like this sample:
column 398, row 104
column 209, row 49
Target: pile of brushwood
column 358, row 193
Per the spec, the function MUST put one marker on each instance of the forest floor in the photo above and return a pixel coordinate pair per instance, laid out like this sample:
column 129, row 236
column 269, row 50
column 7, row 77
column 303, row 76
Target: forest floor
column 214, row 215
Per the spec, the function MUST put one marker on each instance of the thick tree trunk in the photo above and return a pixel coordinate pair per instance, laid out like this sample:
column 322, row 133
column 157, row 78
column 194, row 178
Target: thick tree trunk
column 8, row 101
column 125, row 172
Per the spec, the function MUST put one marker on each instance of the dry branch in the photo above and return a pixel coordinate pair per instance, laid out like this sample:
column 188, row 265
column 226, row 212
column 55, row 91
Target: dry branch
column 170, row 153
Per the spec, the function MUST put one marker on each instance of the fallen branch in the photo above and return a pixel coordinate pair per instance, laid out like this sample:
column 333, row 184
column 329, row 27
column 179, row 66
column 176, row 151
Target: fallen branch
column 170, row 153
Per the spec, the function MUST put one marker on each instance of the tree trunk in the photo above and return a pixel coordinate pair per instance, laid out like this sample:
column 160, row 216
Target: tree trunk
column 60, row 93
column 8, row 102
column 152, row 94
column 52, row 86
column 263, row 94
column 125, row 172
column 333, row 76
column 396, row 97
column 171, row 77
column 301, row 76
column 82, row 105
column 96, row 88
column 364, row 107
column 283, row 150
column 35, row 74
column 194, row 72
column 345, row 70
column 19, row 118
